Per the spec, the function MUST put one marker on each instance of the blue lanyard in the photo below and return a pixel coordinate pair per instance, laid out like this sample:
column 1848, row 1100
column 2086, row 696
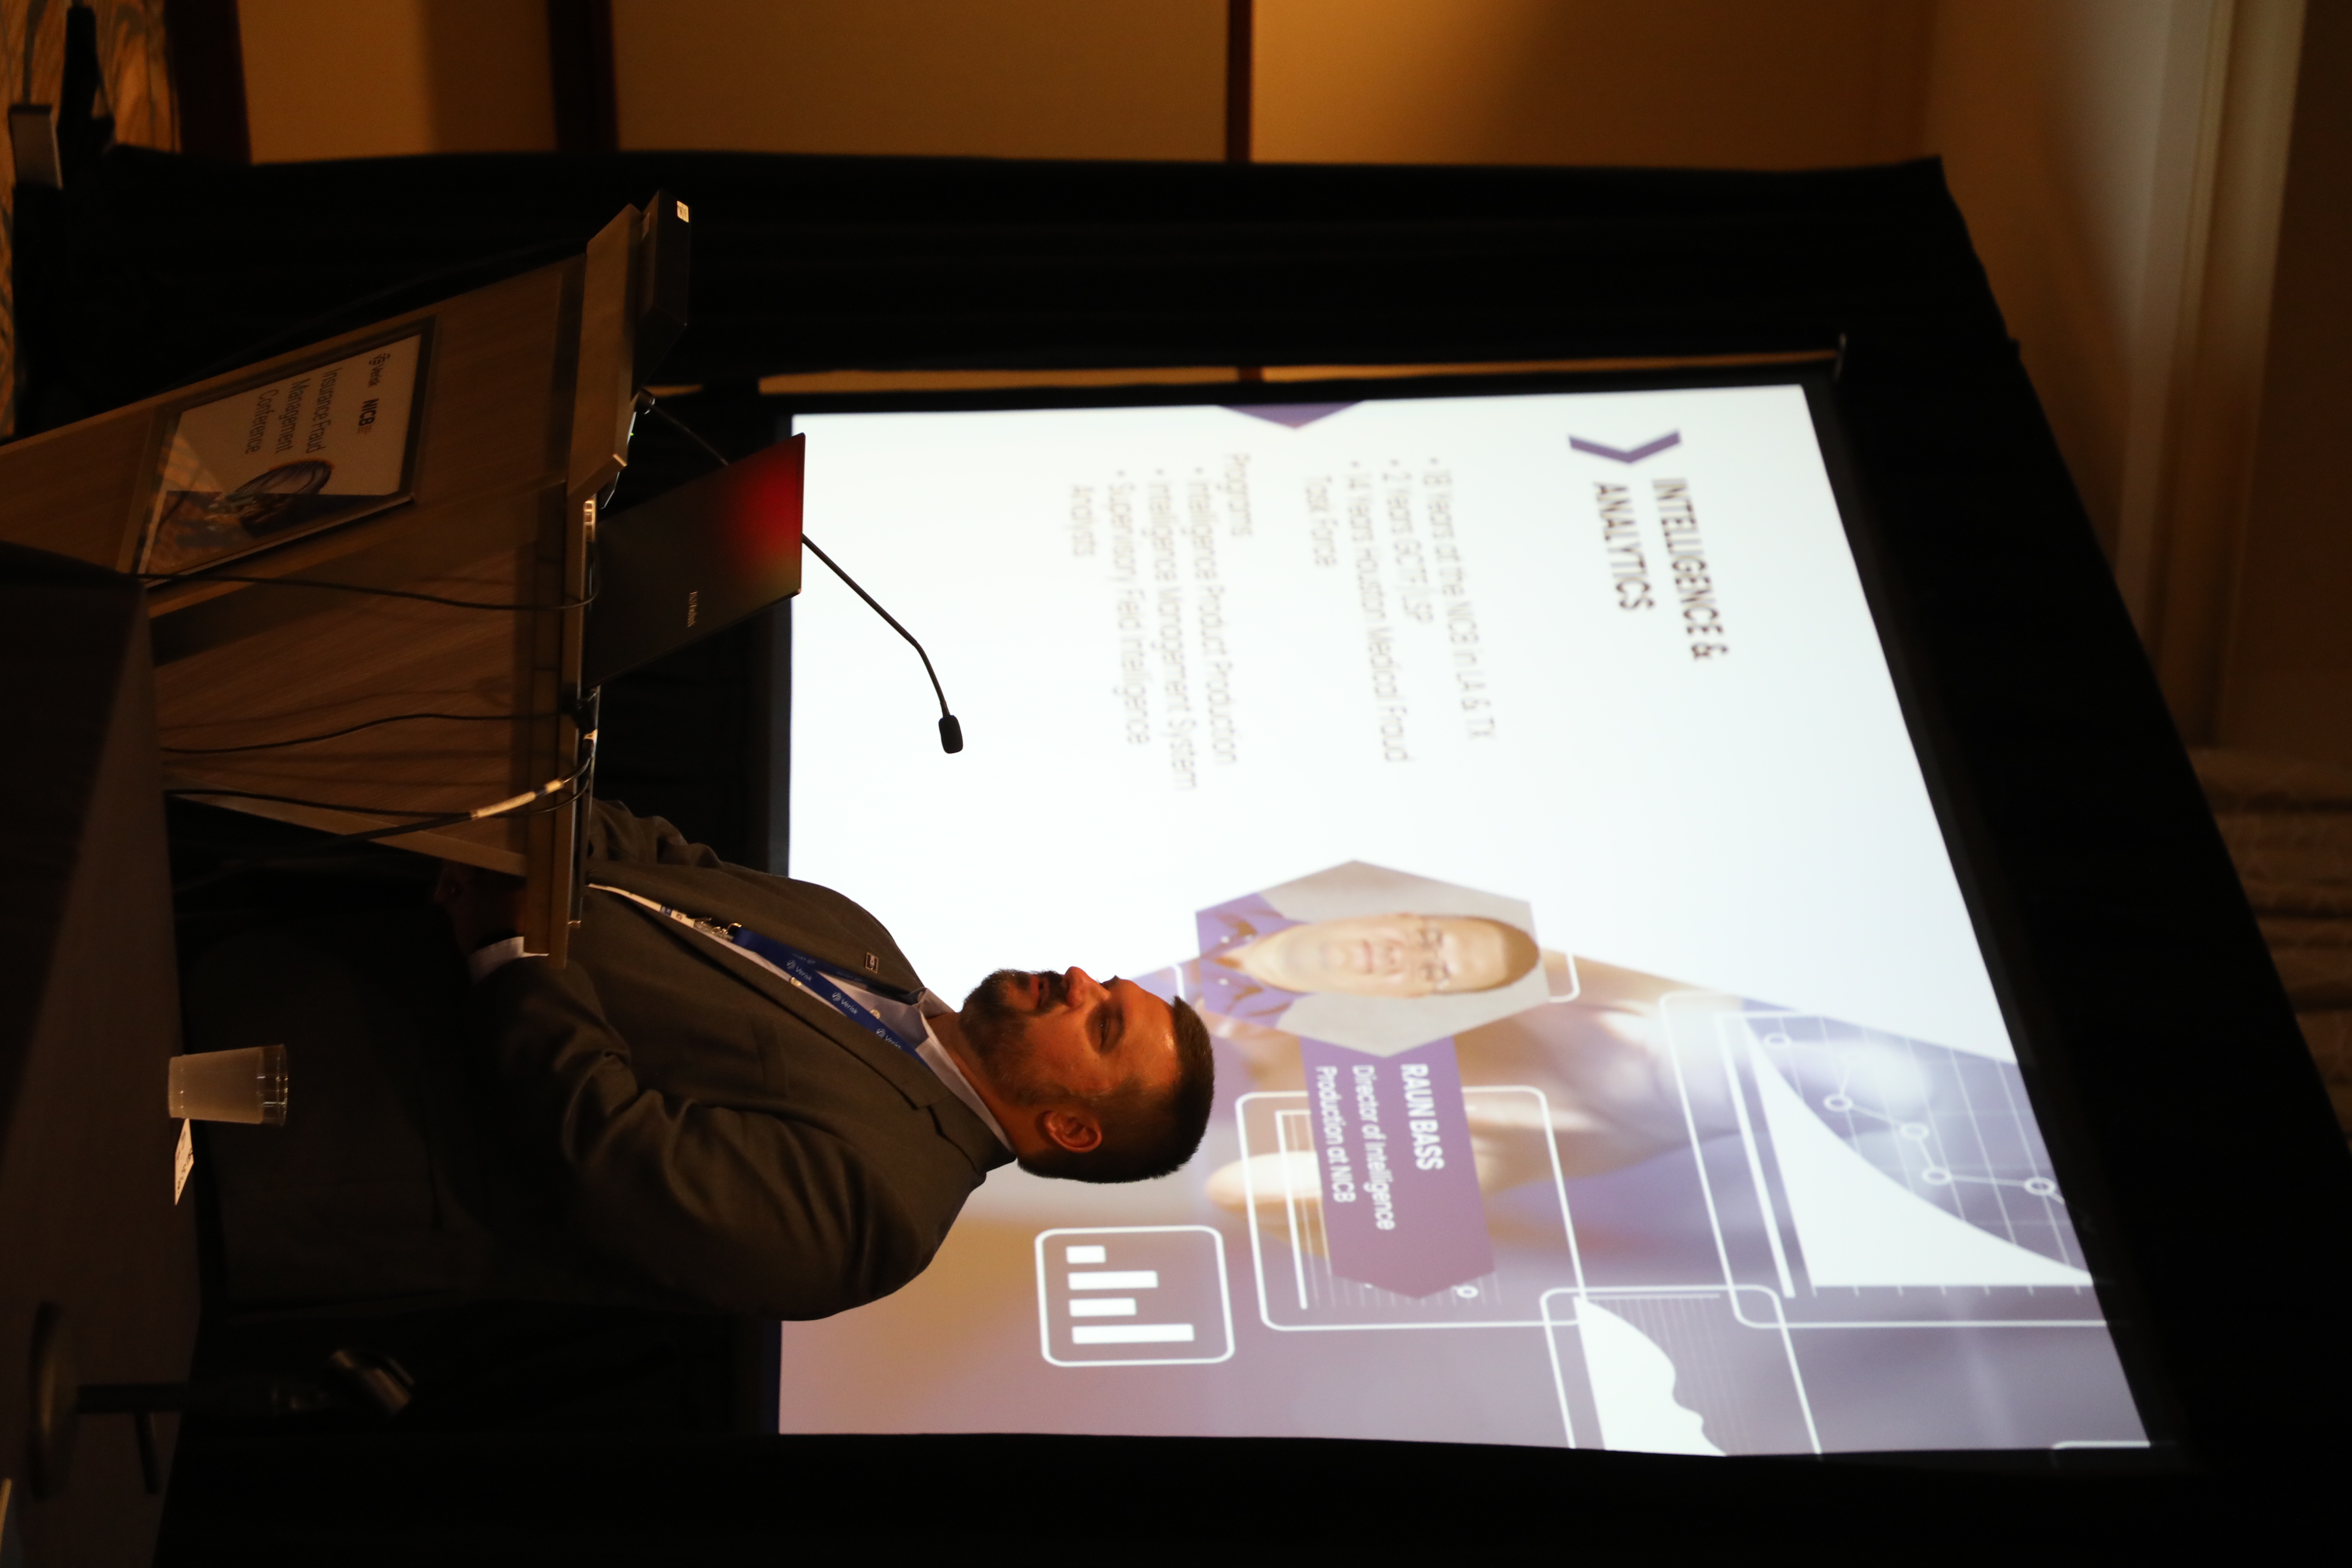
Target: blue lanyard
column 816, row 975
column 811, row 974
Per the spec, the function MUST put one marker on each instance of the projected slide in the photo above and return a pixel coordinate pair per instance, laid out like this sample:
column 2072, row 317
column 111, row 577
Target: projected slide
column 1517, row 787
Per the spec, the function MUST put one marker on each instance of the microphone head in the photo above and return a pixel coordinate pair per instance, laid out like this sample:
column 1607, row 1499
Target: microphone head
column 950, row 734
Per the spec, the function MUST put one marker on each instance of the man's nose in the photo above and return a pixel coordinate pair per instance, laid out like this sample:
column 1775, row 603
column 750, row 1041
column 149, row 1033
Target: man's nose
column 1080, row 983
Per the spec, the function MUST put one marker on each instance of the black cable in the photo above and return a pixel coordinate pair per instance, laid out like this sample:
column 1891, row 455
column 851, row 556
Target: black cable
column 579, row 604
column 680, row 425
column 355, row 729
column 950, row 732
column 481, row 814
column 299, row 800
column 342, row 841
column 551, row 796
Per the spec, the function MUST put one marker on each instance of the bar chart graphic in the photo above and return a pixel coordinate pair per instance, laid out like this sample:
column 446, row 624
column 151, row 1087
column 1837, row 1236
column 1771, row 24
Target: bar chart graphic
column 1133, row 1296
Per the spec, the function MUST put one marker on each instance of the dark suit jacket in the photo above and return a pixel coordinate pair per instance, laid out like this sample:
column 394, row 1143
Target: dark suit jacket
column 704, row 1124
column 661, row 1122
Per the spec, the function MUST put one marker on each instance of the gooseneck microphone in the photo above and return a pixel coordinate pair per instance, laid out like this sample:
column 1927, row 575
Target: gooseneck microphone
column 950, row 732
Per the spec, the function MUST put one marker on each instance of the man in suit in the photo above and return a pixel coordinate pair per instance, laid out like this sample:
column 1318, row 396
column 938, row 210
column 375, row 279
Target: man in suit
column 737, row 1095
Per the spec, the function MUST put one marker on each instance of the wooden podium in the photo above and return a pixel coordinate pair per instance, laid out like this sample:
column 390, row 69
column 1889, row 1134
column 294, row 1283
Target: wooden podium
column 519, row 419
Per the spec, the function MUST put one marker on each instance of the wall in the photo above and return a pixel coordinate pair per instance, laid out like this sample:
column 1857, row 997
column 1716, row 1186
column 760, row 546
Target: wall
column 2288, row 686
column 1725, row 82
column 393, row 77
column 1719, row 83
column 2121, row 164
column 2050, row 118
column 1011, row 79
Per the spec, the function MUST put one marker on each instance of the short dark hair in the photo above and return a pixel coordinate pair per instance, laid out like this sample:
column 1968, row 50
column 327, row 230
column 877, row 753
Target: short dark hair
column 1520, row 953
column 1146, row 1135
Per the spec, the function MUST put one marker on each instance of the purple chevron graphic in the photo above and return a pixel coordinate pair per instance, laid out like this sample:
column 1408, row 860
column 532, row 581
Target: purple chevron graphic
column 1647, row 449
column 1297, row 415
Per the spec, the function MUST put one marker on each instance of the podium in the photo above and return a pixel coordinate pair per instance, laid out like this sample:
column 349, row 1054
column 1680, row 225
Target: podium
column 409, row 655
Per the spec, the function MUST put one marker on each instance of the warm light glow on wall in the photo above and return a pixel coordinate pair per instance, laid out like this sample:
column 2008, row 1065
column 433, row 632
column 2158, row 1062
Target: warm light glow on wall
column 1706, row 83
column 1011, row 79
column 396, row 77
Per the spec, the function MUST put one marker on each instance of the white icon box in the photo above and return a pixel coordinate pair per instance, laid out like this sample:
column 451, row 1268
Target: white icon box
column 1151, row 1295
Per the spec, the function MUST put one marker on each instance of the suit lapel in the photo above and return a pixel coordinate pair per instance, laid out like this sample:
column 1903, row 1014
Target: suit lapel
column 911, row 1077
column 769, row 907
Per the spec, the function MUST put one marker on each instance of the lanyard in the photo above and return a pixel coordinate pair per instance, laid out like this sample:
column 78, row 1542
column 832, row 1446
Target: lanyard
column 810, row 974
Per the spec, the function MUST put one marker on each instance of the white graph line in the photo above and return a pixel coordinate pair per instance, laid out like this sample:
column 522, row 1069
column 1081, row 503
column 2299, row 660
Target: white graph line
column 1756, row 1166
column 1290, row 1194
column 1575, row 981
column 1936, row 1168
column 1938, row 1176
column 1803, row 1325
column 2009, row 1097
column 1722, row 1251
column 1690, row 1121
column 1787, row 1348
column 1558, row 1377
column 1600, row 1295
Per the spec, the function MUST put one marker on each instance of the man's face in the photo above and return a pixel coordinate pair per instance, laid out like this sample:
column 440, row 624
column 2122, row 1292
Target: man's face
column 1047, row 1037
column 1383, row 956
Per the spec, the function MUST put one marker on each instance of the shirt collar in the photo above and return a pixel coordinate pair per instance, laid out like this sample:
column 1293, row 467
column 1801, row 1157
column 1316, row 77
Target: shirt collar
column 936, row 1056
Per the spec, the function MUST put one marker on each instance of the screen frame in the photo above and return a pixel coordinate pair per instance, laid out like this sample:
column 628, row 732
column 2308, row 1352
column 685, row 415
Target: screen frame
column 2049, row 1065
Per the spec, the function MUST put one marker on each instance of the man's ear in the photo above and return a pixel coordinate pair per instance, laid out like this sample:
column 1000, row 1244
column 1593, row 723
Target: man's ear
column 1073, row 1128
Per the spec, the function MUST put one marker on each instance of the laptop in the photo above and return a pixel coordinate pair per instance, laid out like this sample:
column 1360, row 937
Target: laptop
column 695, row 560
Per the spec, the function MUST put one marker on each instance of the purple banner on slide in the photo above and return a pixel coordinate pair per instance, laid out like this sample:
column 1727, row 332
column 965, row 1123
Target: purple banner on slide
column 1400, row 1203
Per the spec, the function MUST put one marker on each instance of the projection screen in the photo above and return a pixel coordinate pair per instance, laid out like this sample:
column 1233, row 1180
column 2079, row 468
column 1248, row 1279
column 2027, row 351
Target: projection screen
column 1517, row 785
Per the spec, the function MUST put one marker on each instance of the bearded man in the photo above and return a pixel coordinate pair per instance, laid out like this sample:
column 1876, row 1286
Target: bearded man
column 737, row 1095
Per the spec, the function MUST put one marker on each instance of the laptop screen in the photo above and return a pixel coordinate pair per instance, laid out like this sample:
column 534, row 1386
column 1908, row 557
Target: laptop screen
column 1516, row 786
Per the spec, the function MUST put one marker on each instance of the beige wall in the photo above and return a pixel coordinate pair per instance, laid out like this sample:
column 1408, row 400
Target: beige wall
column 2121, row 164
column 1711, row 83
column 1011, row 79
column 338, row 80
column 1726, row 82
column 2289, row 681
column 2050, row 117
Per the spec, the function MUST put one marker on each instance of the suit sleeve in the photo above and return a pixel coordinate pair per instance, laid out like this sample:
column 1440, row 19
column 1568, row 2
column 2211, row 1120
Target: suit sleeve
column 747, row 1212
column 616, row 833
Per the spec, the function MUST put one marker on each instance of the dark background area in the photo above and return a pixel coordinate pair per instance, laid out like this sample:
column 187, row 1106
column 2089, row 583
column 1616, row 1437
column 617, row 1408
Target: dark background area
column 689, row 738
column 2118, row 934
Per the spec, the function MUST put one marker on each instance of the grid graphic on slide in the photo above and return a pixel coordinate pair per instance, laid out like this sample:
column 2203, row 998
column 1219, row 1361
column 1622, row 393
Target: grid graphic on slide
column 1922, row 1148
column 1954, row 1129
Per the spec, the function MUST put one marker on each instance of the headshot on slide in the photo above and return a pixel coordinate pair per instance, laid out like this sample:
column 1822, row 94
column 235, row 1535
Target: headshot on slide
column 1376, row 959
